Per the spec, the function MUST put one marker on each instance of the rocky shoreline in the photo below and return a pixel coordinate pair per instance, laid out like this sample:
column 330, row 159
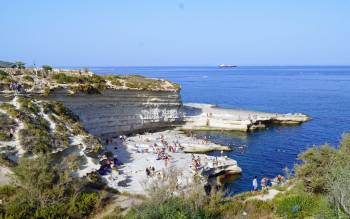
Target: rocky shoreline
column 117, row 106
column 210, row 117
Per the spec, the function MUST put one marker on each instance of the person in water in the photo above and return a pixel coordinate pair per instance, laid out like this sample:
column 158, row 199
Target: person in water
column 255, row 183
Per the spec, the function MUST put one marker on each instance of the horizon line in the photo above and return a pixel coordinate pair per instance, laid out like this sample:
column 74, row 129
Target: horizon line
column 237, row 66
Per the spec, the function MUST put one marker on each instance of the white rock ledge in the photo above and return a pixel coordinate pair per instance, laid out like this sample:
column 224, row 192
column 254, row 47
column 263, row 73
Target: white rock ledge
column 209, row 117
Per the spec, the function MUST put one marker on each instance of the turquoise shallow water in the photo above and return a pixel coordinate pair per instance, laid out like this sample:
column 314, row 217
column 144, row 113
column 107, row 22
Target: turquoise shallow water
column 321, row 92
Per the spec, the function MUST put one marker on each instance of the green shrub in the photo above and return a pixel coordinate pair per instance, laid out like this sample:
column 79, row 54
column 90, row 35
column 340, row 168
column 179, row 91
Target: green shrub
column 3, row 75
column 85, row 88
column 87, row 84
column 175, row 208
column 28, row 105
column 258, row 208
column 46, row 189
column 93, row 145
column 231, row 208
column 82, row 204
column 302, row 206
column 60, row 110
column 10, row 109
column 47, row 91
column 6, row 191
column 114, row 79
column 6, row 123
column 20, row 65
column 28, row 78
column 47, row 68
column 315, row 167
column 62, row 78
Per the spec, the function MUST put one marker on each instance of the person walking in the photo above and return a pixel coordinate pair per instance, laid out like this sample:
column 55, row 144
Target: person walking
column 264, row 181
column 255, row 183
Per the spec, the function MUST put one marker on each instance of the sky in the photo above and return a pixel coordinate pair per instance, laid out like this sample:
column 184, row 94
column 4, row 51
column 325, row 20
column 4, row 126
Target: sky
column 174, row 33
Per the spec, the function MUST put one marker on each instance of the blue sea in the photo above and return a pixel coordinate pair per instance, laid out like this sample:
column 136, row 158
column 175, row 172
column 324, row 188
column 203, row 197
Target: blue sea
column 320, row 92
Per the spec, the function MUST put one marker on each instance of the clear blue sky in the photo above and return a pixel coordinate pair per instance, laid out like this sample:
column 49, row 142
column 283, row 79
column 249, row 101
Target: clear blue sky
column 166, row 32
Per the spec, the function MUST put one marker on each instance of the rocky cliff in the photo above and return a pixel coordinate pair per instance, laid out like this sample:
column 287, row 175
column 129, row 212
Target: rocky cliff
column 114, row 112
column 107, row 105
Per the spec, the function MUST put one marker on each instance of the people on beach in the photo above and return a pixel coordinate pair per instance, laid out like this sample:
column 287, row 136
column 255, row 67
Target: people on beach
column 255, row 184
column 148, row 172
column 196, row 163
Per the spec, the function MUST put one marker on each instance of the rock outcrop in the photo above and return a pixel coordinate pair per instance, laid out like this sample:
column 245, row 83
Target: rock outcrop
column 115, row 112
column 209, row 117
column 107, row 105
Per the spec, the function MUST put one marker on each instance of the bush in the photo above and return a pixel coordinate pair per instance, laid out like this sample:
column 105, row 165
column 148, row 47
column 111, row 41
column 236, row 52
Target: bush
column 20, row 65
column 173, row 208
column 28, row 105
column 46, row 190
column 302, row 206
column 66, row 79
column 6, row 123
column 93, row 84
column 85, row 88
column 60, row 110
column 163, row 203
column 3, row 75
column 258, row 209
column 231, row 208
column 10, row 109
column 315, row 167
column 93, row 145
column 47, row 68
column 83, row 204
column 6, row 191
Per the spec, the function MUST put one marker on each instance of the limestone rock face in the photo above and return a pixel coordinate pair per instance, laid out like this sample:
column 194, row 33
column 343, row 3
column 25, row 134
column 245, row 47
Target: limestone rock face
column 209, row 117
column 116, row 112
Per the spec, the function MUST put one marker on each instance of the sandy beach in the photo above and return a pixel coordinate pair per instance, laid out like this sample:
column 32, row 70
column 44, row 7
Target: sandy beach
column 139, row 152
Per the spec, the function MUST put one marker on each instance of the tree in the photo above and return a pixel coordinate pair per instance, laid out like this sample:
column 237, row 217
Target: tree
column 339, row 186
column 20, row 65
column 327, row 170
column 47, row 67
column 315, row 166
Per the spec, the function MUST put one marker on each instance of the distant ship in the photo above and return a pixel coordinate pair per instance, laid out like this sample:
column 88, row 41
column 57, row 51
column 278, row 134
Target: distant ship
column 227, row 66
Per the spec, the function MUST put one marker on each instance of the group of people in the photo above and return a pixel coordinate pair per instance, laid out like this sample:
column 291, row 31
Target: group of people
column 196, row 163
column 162, row 149
column 264, row 183
column 16, row 87
column 278, row 180
column 108, row 164
column 150, row 171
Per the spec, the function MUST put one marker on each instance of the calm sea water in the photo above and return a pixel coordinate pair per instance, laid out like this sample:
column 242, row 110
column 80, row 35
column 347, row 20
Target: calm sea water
column 321, row 92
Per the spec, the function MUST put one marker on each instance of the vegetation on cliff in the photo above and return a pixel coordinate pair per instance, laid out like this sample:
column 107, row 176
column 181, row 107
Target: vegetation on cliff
column 44, row 180
column 45, row 80
column 45, row 126
column 44, row 188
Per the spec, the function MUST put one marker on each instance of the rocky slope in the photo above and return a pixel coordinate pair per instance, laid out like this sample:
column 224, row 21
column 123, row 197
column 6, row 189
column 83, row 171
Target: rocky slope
column 31, row 127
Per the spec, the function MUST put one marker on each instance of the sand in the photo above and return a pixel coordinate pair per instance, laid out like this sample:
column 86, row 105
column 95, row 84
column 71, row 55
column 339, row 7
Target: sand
column 131, row 176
